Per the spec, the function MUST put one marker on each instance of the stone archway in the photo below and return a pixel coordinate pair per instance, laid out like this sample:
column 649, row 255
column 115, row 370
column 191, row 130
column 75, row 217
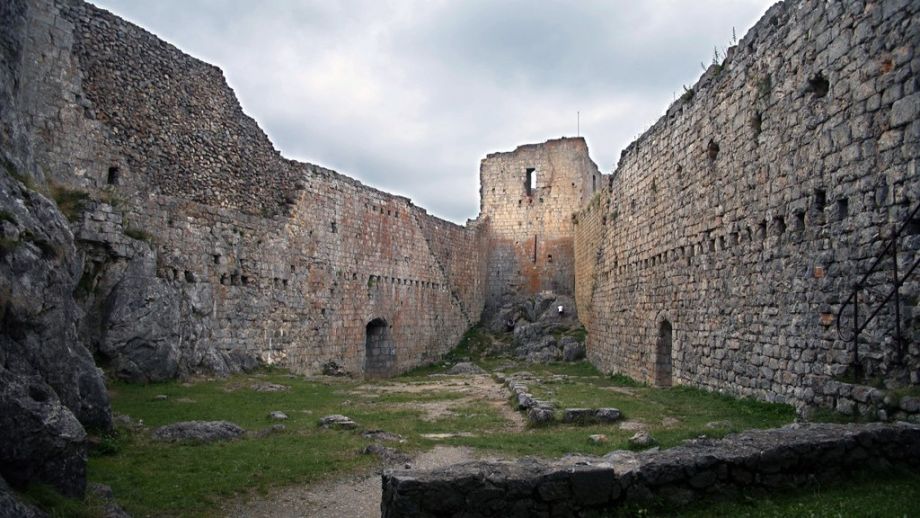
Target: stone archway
column 379, row 350
column 663, row 353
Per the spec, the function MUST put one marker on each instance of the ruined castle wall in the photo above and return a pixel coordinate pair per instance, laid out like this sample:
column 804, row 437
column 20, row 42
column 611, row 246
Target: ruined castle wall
column 590, row 223
column 531, row 229
column 461, row 253
column 248, row 254
column 745, row 214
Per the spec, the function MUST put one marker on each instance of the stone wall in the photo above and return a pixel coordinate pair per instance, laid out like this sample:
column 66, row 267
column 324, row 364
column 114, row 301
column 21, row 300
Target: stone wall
column 531, row 229
column 697, row 470
column 204, row 248
column 736, row 226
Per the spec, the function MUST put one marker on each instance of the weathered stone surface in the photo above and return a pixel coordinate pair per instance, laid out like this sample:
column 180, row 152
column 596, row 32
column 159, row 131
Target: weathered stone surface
column 10, row 506
column 607, row 415
column 42, row 441
column 642, row 439
column 338, row 422
column 572, row 349
column 708, row 258
column 540, row 415
column 198, row 431
column 763, row 459
column 39, row 269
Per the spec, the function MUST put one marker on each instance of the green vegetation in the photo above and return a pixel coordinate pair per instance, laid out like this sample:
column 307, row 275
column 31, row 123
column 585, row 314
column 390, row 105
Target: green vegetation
column 140, row 235
column 7, row 216
column 58, row 506
column 70, row 201
column 893, row 493
column 14, row 173
column 151, row 478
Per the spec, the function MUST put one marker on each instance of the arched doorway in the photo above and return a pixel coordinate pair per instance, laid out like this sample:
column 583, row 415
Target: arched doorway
column 663, row 354
column 379, row 350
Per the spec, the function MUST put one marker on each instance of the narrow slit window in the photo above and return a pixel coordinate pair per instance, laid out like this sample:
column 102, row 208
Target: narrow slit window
column 530, row 181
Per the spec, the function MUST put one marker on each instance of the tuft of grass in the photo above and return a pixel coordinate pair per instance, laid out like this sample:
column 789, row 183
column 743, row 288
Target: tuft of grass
column 871, row 494
column 70, row 202
column 56, row 505
column 140, row 235
column 14, row 173
column 688, row 94
column 8, row 245
column 7, row 216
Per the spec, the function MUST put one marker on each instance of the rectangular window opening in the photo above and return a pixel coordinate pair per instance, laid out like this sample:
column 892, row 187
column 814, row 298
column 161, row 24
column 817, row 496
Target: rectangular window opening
column 530, row 181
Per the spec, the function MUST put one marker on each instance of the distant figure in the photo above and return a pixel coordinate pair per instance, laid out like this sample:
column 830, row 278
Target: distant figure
column 561, row 310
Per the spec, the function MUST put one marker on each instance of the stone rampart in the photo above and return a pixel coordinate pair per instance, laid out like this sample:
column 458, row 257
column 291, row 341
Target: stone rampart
column 205, row 248
column 736, row 226
column 700, row 469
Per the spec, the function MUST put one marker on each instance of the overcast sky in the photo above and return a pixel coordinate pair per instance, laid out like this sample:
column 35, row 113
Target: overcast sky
column 408, row 96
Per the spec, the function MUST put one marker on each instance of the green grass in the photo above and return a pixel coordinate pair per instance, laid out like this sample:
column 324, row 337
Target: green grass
column 58, row 506
column 151, row 478
column 156, row 479
column 7, row 216
column 140, row 235
column 867, row 494
column 70, row 201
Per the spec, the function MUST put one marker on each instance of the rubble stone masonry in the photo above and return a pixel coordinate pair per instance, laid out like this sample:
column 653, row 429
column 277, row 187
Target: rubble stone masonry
column 734, row 229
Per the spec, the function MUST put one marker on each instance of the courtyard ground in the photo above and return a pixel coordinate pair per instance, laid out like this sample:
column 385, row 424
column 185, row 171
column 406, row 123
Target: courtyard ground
column 434, row 419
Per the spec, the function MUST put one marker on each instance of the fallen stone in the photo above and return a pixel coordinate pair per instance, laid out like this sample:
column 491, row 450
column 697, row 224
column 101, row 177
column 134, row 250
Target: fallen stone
column 40, row 439
column 338, row 422
column 277, row 415
column 12, row 507
column 578, row 415
column 642, row 439
column 332, row 368
column 269, row 387
column 598, row 438
column 380, row 435
column 572, row 349
column 466, row 368
column 540, row 415
column 910, row 404
column 160, row 397
column 385, row 453
column 607, row 415
column 198, row 431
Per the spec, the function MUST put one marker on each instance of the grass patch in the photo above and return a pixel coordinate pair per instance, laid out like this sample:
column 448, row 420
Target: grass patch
column 868, row 494
column 71, row 202
column 58, row 506
column 14, row 173
column 7, row 216
column 140, row 235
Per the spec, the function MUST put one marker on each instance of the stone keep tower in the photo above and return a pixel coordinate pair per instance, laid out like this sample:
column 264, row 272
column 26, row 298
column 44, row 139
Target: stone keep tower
column 529, row 196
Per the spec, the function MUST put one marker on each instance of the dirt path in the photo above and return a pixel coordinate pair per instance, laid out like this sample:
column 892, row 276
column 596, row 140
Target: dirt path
column 359, row 496
column 354, row 496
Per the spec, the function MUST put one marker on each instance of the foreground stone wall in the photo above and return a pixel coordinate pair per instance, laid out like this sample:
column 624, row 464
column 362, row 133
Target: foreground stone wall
column 735, row 227
column 700, row 469
column 531, row 229
column 204, row 248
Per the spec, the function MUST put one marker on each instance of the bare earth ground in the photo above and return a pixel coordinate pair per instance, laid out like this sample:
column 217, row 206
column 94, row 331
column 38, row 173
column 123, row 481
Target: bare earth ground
column 359, row 495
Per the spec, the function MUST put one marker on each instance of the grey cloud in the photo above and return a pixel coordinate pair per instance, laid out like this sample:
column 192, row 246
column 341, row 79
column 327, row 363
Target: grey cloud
column 408, row 96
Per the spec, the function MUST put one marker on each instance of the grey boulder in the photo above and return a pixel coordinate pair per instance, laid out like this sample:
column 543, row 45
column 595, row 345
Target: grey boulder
column 198, row 431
